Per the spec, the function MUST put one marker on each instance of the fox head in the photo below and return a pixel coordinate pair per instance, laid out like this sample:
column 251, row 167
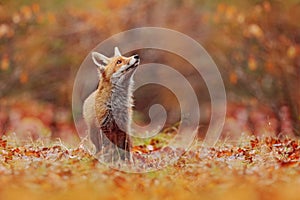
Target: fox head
column 118, row 69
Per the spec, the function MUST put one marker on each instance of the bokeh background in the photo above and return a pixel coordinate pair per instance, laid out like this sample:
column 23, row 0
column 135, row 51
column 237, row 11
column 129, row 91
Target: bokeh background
column 255, row 44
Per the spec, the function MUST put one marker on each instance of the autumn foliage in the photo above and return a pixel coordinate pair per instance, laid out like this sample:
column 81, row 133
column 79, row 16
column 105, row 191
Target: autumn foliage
column 256, row 46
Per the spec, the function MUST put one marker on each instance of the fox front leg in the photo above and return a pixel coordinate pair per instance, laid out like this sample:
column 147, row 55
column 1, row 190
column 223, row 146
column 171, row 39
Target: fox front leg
column 96, row 137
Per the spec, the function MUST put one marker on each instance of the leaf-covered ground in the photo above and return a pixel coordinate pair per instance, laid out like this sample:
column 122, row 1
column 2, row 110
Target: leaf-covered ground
column 253, row 168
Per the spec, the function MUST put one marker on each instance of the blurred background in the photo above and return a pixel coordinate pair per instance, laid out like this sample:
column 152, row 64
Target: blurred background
column 255, row 44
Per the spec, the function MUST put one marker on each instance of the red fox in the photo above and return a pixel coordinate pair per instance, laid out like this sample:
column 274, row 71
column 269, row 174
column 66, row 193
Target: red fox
column 108, row 110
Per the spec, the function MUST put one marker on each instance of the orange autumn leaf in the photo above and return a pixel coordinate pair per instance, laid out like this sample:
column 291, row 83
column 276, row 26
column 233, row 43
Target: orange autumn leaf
column 40, row 19
column 35, row 8
column 117, row 4
column 291, row 52
column 5, row 62
column 252, row 64
column 26, row 11
column 221, row 8
column 267, row 6
column 23, row 78
column 233, row 78
column 269, row 65
column 230, row 12
column 3, row 143
column 51, row 18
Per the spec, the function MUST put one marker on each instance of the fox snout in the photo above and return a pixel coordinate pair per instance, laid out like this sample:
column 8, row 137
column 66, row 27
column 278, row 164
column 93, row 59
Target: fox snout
column 132, row 64
column 135, row 59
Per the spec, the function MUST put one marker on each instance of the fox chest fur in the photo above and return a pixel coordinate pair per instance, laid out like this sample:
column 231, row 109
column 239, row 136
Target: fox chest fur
column 113, row 106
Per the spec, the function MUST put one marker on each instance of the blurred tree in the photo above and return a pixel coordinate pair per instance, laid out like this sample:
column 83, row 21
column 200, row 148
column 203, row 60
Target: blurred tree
column 256, row 45
column 259, row 51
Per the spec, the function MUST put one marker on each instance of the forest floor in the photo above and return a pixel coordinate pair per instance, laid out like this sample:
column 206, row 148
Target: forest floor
column 253, row 168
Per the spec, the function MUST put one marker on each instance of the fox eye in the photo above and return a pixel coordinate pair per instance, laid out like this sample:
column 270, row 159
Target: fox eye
column 119, row 61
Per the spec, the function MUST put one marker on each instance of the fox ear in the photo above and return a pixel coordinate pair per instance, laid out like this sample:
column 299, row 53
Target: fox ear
column 117, row 52
column 99, row 60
